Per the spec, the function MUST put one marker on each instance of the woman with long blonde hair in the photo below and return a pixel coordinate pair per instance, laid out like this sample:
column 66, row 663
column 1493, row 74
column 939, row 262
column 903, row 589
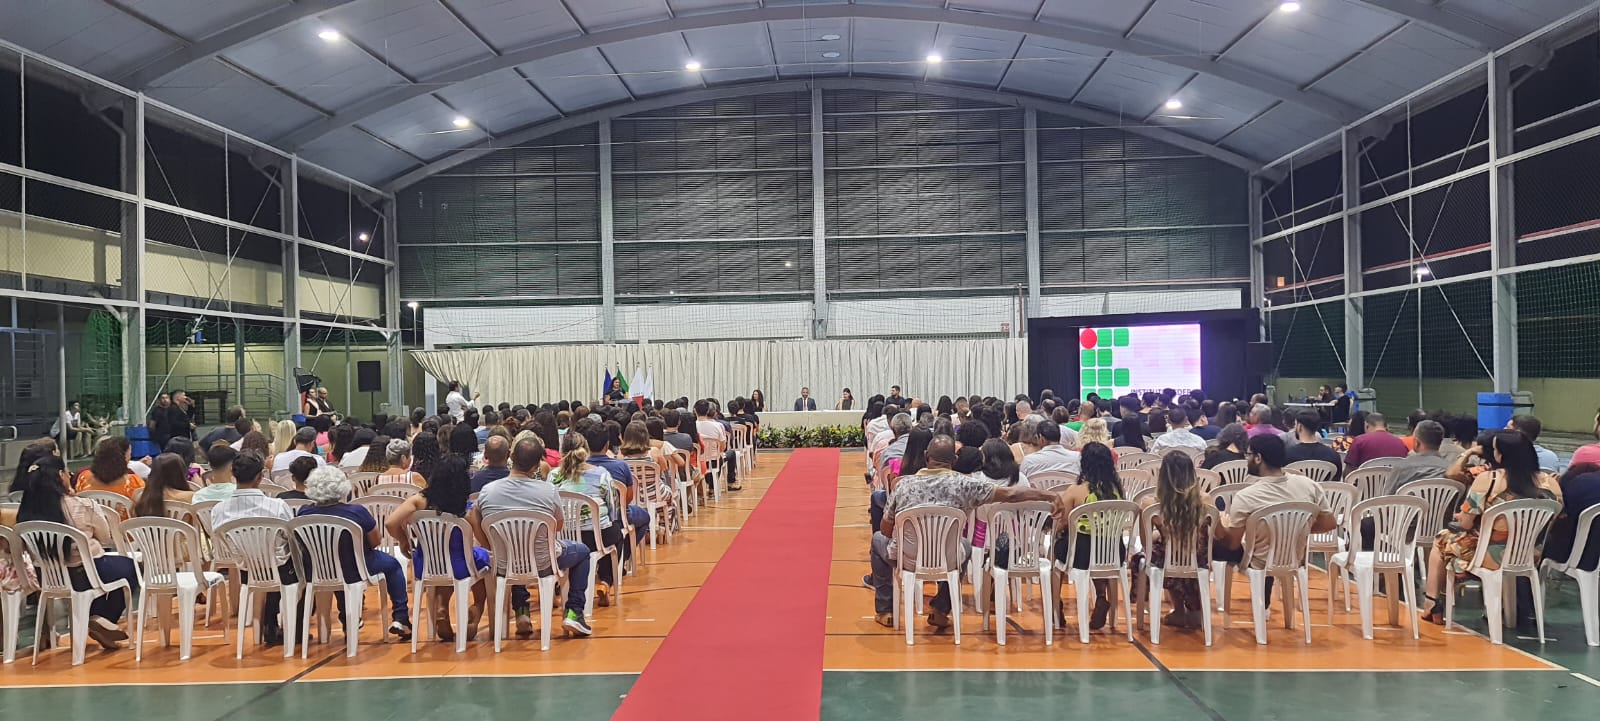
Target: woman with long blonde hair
column 282, row 436
column 1094, row 431
column 1183, row 507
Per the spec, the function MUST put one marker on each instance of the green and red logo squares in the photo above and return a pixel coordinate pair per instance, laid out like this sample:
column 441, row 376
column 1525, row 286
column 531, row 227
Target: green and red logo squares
column 1102, row 371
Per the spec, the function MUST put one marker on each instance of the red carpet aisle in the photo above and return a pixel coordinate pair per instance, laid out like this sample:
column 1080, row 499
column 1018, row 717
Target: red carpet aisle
column 750, row 644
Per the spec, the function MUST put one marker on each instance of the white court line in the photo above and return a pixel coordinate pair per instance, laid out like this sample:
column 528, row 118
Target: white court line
column 1585, row 679
column 639, row 620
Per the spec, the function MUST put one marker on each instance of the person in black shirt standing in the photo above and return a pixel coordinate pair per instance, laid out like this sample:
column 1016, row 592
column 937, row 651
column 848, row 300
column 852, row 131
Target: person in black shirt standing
column 180, row 417
column 156, row 421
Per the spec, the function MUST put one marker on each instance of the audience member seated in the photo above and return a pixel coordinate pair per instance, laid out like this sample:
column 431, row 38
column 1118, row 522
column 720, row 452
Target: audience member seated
column 1589, row 453
column 1183, row 506
column 1513, row 473
column 1580, row 489
column 361, row 443
column 1531, row 427
column 46, row 497
column 1200, row 424
column 446, row 493
column 1358, row 426
column 578, row 475
column 496, row 463
column 1267, row 457
column 167, row 482
column 304, row 444
column 327, row 488
column 1376, row 442
column 709, row 427
column 1424, row 462
column 1130, row 431
column 248, row 501
column 523, row 489
column 1097, row 481
column 401, row 464
column 222, row 482
column 109, row 469
column 1260, row 421
column 1308, row 445
column 599, row 437
column 1178, row 435
column 230, row 430
column 935, row 485
column 1232, row 444
column 1044, row 452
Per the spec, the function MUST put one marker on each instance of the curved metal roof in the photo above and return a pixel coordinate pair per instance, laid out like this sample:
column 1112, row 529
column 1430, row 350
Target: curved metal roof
column 378, row 102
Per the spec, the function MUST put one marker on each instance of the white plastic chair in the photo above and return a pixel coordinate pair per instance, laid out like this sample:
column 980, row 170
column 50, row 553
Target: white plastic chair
column 1341, row 498
column 573, row 508
column 380, row 507
column 1219, row 569
column 295, row 504
column 1319, row 471
column 1125, row 450
column 430, row 532
column 1287, row 528
column 1053, row 480
column 218, row 559
column 1152, row 465
column 1108, row 521
column 1133, row 458
column 1588, row 581
column 515, row 538
column 1394, row 536
column 11, row 601
column 1375, row 463
column 712, row 458
column 168, row 567
column 319, row 536
column 1233, row 471
column 260, row 547
column 51, row 546
column 1026, row 526
column 1207, row 479
column 935, row 534
column 1443, row 496
column 1135, row 480
column 362, row 483
column 281, row 478
column 1181, row 561
column 1526, row 520
column 110, row 499
column 685, row 494
column 273, row 489
column 651, row 492
column 1370, row 482
column 393, row 490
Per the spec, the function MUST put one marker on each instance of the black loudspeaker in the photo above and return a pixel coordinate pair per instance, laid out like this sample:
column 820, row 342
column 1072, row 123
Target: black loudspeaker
column 369, row 376
column 304, row 380
column 1258, row 359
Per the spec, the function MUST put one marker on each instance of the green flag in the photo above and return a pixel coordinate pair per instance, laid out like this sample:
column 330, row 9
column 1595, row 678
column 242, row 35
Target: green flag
column 623, row 380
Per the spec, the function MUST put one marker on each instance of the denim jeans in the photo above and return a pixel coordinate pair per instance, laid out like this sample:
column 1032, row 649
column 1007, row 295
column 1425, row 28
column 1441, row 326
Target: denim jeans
column 110, row 568
column 883, row 579
column 574, row 559
column 880, row 498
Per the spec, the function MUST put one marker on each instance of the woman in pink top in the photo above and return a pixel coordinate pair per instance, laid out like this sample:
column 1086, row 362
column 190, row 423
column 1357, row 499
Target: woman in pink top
column 1591, row 452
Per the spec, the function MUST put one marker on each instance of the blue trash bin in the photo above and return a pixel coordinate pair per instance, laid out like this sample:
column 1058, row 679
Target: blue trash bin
column 139, row 439
column 1496, row 409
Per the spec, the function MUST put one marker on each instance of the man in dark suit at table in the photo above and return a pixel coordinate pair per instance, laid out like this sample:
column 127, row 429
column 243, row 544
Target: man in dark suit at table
column 805, row 402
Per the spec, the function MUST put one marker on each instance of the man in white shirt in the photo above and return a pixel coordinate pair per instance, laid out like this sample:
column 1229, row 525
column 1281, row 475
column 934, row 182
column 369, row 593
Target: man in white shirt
column 305, row 444
column 881, row 423
column 1046, row 454
column 710, row 429
column 458, row 403
column 247, row 501
column 1267, row 456
column 1178, row 434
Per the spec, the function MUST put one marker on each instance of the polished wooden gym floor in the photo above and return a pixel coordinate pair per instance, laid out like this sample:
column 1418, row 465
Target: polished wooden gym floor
column 868, row 671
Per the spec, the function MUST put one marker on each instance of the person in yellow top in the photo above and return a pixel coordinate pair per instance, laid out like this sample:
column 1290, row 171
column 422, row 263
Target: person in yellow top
column 1097, row 481
column 109, row 469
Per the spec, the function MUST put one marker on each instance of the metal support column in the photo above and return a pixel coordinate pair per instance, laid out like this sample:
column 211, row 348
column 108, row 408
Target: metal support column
column 1502, row 226
column 134, row 398
column 1030, row 149
column 1258, row 273
column 608, row 260
column 61, row 377
column 1354, row 354
column 289, row 188
column 391, row 310
column 819, row 222
column 238, row 368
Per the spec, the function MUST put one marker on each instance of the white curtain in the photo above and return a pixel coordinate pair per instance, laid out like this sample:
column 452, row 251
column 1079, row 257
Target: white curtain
column 724, row 369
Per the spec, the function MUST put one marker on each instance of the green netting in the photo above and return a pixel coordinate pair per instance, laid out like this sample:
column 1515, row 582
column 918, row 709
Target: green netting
column 1558, row 320
column 1308, row 341
column 100, row 354
column 1454, row 332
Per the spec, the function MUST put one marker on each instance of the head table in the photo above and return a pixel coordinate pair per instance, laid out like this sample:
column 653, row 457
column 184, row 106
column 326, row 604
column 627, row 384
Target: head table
column 809, row 419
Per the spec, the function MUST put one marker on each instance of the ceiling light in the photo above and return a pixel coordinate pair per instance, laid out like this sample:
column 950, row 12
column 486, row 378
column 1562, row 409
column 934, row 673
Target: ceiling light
column 363, row 237
column 330, row 35
column 1289, row 7
column 1423, row 272
column 830, row 54
column 935, row 58
column 461, row 121
column 1173, row 104
column 831, row 36
column 413, row 305
column 692, row 66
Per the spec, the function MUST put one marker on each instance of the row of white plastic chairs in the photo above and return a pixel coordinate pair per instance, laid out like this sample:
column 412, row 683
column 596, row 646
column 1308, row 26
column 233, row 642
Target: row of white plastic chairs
column 172, row 563
column 1403, row 526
